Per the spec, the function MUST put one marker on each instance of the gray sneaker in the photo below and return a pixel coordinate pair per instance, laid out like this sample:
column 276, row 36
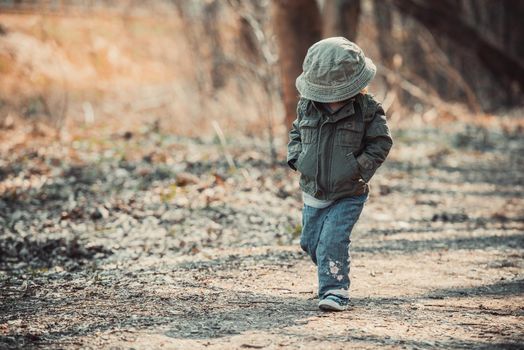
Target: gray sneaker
column 333, row 303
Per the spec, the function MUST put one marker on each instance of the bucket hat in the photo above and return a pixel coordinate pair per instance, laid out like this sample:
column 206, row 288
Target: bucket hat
column 334, row 69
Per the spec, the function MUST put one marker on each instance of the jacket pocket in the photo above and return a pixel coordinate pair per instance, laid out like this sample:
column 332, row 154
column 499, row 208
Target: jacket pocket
column 355, row 171
column 308, row 130
column 349, row 134
column 306, row 162
column 345, row 172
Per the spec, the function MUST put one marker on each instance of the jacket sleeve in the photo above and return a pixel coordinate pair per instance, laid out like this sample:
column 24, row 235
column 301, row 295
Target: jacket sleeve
column 294, row 147
column 377, row 141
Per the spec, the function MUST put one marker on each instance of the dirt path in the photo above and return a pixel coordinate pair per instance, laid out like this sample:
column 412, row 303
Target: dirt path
column 152, row 257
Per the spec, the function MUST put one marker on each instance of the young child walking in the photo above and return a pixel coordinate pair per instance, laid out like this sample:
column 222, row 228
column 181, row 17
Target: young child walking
column 338, row 140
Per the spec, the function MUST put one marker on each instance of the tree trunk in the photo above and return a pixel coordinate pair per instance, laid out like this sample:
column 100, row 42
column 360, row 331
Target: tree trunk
column 211, row 12
column 297, row 25
column 446, row 19
column 341, row 18
column 386, row 43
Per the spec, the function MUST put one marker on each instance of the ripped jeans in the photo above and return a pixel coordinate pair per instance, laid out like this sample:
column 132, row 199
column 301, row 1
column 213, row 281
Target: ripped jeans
column 326, row 238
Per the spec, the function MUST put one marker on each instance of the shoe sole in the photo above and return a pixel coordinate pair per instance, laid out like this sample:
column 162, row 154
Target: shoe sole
column 330, row 305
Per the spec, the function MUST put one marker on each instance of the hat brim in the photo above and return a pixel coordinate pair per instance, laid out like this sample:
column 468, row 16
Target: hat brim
column 335, row 93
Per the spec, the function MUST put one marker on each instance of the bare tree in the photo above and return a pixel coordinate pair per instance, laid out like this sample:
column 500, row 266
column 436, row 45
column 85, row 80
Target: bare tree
column 341, row 18
column 211, row 12
column 458, row 22
column 384, row 23
column 297, row 25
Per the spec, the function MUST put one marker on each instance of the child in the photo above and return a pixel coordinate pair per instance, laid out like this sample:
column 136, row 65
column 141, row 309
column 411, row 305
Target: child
column 338, row 140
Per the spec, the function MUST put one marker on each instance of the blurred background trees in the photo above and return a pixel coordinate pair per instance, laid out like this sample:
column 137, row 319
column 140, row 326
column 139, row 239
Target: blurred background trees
column 297, row 24
column 184, row 64
column 479, row 42
column 456, row 50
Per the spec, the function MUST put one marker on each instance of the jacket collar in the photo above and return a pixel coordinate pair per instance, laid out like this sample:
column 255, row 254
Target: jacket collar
column 345, row 111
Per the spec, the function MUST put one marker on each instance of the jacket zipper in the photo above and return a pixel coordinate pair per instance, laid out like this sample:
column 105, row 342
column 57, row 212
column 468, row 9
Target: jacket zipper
column 330, row 161
column 318, row 155
column 330, row 148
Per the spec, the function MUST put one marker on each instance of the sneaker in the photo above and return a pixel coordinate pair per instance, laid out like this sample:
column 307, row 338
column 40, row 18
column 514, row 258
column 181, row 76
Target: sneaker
column 333, row 303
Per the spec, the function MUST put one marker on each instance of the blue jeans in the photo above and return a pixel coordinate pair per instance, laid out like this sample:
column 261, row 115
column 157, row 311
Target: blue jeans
column 326, row 238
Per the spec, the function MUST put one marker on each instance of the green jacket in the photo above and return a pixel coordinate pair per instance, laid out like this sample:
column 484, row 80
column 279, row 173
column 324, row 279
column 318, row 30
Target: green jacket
column 337, row 154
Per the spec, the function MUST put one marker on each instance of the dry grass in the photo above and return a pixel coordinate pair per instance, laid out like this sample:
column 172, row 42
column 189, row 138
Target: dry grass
column 119, row 72
column 76, row 74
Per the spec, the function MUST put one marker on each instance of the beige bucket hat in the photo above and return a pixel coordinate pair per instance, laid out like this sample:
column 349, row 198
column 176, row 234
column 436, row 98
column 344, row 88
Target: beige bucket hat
column 334, row 69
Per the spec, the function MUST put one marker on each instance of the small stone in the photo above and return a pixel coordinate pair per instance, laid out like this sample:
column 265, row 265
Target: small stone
column 100, row 213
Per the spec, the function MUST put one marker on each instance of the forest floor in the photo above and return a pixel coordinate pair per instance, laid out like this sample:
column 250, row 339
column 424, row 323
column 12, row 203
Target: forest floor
column 145, row 240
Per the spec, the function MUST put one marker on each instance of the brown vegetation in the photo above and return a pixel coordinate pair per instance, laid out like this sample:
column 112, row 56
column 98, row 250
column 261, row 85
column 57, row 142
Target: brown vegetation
column 141, row 207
